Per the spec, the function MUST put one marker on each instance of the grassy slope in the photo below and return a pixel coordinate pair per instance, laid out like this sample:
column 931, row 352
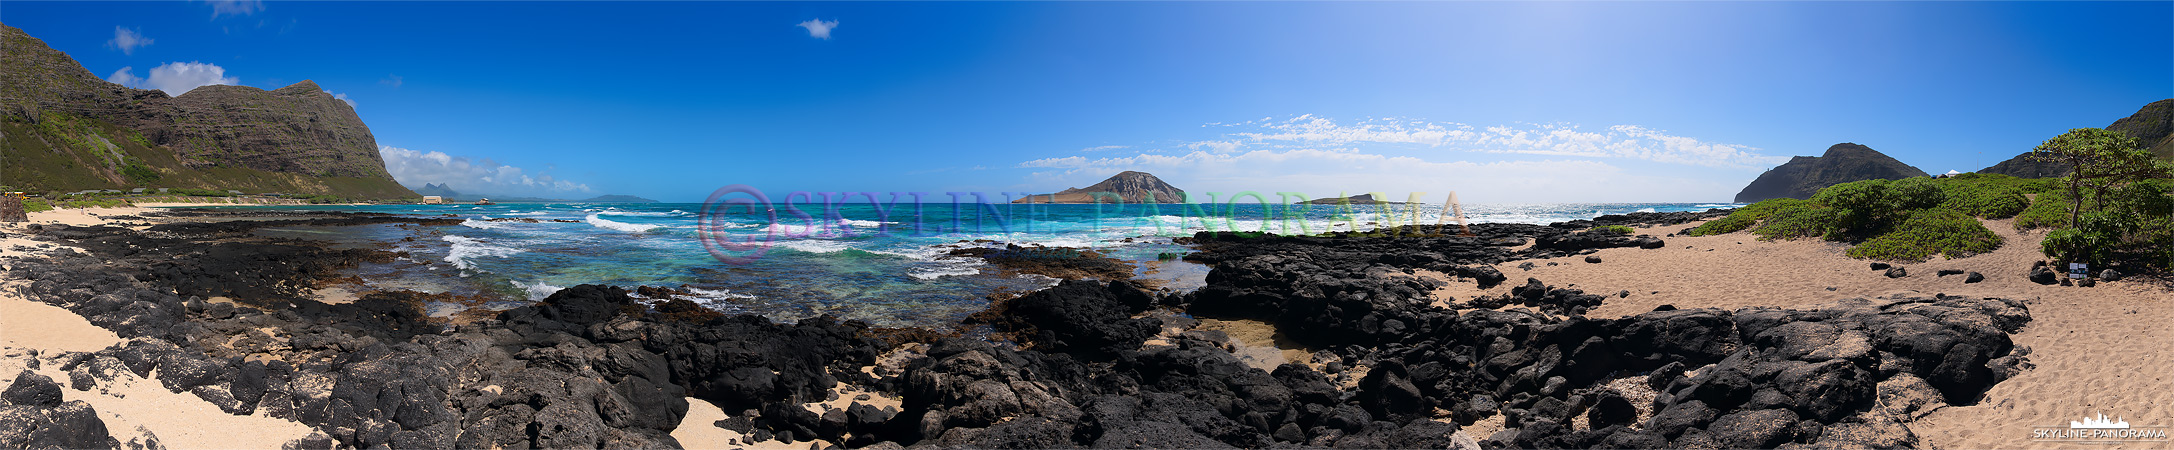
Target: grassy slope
column 67, row 153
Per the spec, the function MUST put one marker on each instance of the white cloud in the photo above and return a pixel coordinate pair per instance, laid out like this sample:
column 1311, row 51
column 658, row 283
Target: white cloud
column 1105, row 147
column 819, row 28
column 175, row 78
column 235, row 7
column 1325, row 173
column 1620, row 141
column 126, row 77
column 1215, row 146
column 342, row 97
column 415, row 168
column 127, row 40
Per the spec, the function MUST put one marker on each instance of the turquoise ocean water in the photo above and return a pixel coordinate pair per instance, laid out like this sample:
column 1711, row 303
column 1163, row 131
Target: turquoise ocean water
column 885, row 265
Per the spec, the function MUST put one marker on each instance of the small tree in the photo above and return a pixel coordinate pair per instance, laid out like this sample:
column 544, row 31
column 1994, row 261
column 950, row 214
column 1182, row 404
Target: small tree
column 2099, row 160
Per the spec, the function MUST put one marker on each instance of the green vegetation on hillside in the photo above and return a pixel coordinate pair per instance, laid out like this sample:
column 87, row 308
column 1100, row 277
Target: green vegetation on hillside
column 2117, row 206
column 58, row 153
column 1909, row 219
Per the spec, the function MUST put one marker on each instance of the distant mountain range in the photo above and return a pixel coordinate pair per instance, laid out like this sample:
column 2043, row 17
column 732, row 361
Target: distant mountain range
column 447, row 192
column 1132, row 187
column 66, row 129
column 2153, row 126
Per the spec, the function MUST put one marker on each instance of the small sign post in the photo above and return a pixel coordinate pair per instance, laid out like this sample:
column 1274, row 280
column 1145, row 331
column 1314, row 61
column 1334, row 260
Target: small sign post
column 2078, row 270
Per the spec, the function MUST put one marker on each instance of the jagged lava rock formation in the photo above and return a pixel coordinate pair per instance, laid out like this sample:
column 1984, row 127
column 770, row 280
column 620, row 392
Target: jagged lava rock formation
column 2152, row 126
column 1805, row 175
column 1132, row 186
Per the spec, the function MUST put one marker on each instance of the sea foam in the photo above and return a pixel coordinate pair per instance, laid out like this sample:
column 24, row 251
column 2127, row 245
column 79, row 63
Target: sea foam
column 464, row 248
column 598, row 221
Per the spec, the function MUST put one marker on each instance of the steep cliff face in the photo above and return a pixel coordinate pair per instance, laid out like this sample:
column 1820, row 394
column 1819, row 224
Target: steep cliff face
column 1133, row 187
column 1805, row 175
column 2152, row 126
column 67, row 129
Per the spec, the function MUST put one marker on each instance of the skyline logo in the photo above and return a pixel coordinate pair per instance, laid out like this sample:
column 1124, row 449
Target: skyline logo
column 2100, row 430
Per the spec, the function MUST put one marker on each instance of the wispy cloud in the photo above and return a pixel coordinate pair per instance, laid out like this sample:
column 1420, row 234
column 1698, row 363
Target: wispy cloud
column 415, row 168
column 1619, row 141
column 392, row 80
column 819, row 28
column 234, row 7
column 341, row 97
column 1319, row 173
column 1100, row 148
column 127, row 40
column 175, row 78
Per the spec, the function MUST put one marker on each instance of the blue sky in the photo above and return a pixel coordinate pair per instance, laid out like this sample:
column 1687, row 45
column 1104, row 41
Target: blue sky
column 1500, row 102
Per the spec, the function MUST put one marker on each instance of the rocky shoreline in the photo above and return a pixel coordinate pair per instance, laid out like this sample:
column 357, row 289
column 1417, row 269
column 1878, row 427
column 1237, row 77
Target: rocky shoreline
column 1088, row 363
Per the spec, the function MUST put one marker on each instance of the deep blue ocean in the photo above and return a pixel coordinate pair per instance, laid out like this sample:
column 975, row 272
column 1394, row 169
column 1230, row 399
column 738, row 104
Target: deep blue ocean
column 884, row 265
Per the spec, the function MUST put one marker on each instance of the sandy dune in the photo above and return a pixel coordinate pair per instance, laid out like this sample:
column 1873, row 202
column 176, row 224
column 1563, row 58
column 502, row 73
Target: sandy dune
column 2102, row 349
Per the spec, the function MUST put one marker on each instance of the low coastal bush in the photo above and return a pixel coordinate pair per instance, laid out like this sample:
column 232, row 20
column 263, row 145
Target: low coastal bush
column 1796, row 221
column 36, row 205
column 107, row 203
column 1988, row 200
column 1868, row 208
column 2049, row 210
column 1931, row 232
column 199, row 192
column 1743, row 218
column 1618, row 230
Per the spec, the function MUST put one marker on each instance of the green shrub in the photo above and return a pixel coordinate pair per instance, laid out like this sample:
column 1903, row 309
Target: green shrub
column 1611, row 229
column 2050, row 210
column 107, row 203
column 1930, row 232
column 1914, row 193
column 1801, row 220
column 1988, row 200
column 1744, row 217
column 36, row 205
column 2094, row 239
column 1869, row 207
column 140, row 173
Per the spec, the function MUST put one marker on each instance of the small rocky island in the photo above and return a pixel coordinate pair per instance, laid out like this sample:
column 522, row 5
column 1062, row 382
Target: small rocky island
column 1361, row 199
column 1128, row 186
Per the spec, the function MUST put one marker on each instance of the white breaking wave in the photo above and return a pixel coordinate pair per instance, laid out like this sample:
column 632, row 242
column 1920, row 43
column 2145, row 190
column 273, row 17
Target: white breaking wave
column 485, row 224
column 465, row 248
column 536, row 291
column 815, row 246
column 862, row 223
column 599, row 222
column 947, row 267
column 616, row 212
column 1644, row 210
column 716, row 294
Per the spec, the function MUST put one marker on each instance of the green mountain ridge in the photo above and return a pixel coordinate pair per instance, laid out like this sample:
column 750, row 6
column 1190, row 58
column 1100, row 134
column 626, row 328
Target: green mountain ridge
column 2152, row 126
column 65, row 129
